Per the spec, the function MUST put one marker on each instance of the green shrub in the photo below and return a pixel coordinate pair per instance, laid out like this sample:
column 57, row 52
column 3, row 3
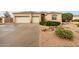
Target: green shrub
column 75, row 20
column 64, row 34
column 52, row 23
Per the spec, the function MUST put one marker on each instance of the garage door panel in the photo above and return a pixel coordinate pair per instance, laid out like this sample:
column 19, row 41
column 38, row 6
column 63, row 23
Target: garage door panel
column 22, row 19
column 36, row 19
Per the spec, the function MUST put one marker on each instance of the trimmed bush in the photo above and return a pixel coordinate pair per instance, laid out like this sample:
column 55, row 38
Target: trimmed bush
column 64, row 34
column 50, row 23
column 42, row 23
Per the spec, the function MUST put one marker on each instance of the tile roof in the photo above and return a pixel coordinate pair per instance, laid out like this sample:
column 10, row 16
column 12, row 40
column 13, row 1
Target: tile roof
column 35, row 12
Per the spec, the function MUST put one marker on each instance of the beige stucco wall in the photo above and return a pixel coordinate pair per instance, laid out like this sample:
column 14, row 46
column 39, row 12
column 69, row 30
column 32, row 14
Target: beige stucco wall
column 75, row 17
column 59, row 17
column 3, row 20
column 20, row 14
column 48, row 17
column 27, row 14
column 36, row 15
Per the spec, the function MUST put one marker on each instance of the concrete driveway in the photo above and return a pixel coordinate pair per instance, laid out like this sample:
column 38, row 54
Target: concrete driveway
column 19, row 35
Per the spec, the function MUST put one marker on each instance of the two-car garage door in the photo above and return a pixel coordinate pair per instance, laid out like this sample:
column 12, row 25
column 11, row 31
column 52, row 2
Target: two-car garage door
column 23, row 19
column 35, row 19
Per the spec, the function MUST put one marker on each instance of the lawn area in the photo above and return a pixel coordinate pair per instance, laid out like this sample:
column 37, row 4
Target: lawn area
column 49, row 38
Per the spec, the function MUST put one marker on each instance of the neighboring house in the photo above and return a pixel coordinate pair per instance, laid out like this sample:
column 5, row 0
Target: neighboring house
column 36, row 17
column 6, row 20
column 75, row 17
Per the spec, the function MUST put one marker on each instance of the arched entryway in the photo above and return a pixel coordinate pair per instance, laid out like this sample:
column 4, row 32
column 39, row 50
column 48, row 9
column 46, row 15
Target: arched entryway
column 42, row 17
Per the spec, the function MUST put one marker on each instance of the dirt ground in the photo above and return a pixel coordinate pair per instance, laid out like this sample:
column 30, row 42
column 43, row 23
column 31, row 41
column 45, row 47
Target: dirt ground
column 49, row 38
column 30, row 35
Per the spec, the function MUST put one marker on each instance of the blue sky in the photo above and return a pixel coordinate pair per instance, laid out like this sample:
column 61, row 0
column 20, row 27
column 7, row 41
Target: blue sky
column 74, row 12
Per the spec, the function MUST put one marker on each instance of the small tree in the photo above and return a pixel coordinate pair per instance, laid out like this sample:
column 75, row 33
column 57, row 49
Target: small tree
column 66, row 17
column 6, row 14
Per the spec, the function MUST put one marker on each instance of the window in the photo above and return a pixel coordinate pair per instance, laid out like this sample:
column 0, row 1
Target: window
column 54, row 17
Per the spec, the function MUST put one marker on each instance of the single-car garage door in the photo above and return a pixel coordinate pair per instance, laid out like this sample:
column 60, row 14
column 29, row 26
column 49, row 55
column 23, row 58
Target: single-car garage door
column 23, row 19
column 36, row 19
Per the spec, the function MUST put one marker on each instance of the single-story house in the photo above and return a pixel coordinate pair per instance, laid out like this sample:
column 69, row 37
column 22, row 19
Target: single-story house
column 36, row 17
column 33, row 17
